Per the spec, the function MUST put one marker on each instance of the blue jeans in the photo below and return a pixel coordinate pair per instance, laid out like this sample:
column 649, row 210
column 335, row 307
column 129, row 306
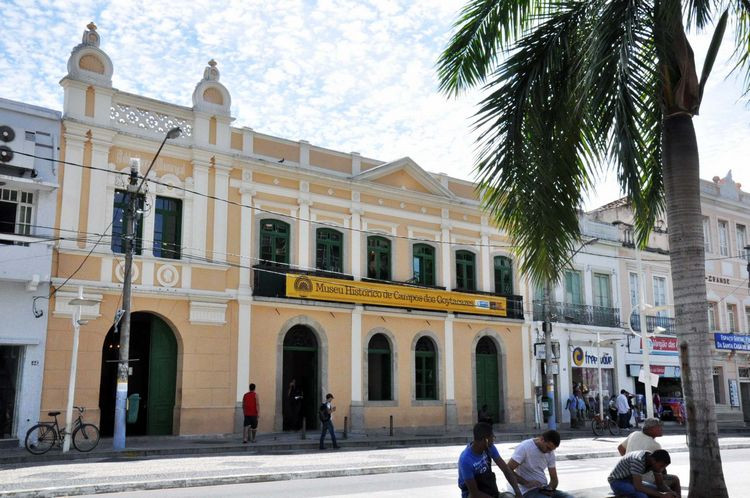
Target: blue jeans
column 536, row 494
column 327, row 426
column 624, row 487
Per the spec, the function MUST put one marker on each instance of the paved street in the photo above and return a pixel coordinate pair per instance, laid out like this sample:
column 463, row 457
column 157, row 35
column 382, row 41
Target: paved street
column 583, row 478
column 124, row 474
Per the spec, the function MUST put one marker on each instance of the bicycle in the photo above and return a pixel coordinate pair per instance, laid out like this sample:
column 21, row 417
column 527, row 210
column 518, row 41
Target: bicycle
column 44, row 435
column 599, row 426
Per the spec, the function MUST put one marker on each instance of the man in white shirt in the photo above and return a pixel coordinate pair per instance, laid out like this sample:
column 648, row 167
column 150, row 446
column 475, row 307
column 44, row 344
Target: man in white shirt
column 622, row 409
column 645, row 440
column 529, row 461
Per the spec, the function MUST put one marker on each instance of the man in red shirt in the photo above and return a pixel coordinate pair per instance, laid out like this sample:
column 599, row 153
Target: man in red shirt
column 251, row 409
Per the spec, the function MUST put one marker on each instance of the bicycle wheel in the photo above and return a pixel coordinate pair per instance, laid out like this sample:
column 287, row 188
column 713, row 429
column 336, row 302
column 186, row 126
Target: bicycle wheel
column 614, row 429
column 86, row 437
column 597, row 427
column 40, row 438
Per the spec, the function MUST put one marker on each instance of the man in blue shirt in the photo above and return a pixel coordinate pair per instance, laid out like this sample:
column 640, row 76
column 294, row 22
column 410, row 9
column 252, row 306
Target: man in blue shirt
column 474, row 462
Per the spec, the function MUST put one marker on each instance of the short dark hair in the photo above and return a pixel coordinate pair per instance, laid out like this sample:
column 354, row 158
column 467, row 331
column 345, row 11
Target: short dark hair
column 623, row 391
column 552, row 437
column 329, row 396
column 252, row 387
column 482, row 430
column 661, row 456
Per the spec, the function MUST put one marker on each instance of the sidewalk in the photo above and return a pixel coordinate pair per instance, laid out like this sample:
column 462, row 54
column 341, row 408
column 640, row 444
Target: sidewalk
column 245, row 464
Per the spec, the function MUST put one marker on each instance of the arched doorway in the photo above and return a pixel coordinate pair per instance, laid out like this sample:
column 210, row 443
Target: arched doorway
column 300, row 363
column 488, row 378
column 153, row 360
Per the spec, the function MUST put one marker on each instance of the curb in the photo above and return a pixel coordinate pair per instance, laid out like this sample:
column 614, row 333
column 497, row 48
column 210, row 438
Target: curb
column 178, row 483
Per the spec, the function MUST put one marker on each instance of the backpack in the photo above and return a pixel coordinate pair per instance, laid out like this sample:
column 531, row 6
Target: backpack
column 323, row 413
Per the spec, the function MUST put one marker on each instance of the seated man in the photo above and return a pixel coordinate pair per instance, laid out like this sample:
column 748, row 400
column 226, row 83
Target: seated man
column 474, row 465
column 529, row 461
column 645, row 440
column 627, row 477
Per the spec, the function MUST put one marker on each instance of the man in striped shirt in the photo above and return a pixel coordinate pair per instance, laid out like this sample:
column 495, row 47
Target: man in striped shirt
column 627, row 477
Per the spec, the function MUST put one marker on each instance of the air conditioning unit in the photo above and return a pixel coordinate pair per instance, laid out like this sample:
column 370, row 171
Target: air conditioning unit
column 17, row 147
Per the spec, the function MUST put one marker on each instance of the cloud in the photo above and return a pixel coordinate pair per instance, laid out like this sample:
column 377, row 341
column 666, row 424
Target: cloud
column 349, row 75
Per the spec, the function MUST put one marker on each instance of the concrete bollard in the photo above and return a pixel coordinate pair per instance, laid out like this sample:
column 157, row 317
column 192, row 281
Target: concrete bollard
column 346, row 435
column 303, row 434
column 391, row 428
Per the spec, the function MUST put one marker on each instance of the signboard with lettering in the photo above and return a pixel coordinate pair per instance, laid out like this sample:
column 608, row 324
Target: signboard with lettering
column 717, row 280
column 732, row 342
column 663, row 345
column 585, row 357
column 658, row 370
column 349, row 291
column 734, row 393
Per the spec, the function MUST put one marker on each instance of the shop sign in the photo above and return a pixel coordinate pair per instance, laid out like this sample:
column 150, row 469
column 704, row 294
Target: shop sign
column 717, row 280
column 734, row 393
column 332, row 289
column 732, row 342
column 585, row 357
column 663, row 345
column 659, row 370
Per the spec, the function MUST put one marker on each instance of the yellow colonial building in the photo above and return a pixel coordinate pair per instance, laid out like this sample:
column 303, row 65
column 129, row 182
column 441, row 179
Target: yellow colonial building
column 267, row 260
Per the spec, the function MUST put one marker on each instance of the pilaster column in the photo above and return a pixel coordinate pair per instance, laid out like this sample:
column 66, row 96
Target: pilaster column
column 303, row 256
column 244, row 320
column 356, row 243
column 304, row 154
column 451, row 412
column 200, row 207
column 246, row 237
column 221, row 191
column 71, row 189
column 356, row 411
column 149, row 219
column 485, row 258
column 97, row 189
column 445, row 249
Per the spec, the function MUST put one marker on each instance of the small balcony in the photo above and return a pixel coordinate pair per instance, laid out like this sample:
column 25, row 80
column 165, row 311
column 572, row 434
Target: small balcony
column 580, row 314
column 269, row 280
column 652, row 322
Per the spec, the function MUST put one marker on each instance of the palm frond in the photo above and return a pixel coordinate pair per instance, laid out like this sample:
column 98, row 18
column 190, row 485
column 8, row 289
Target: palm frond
column 742, row 41
column 699, row 12
column 484, row 28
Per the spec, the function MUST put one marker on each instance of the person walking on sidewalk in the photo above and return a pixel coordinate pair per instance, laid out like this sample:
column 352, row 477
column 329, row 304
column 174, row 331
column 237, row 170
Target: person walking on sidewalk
column 627, row 477
column 529, row 461
column 645, row 440
column 251, row 411
column 623, row 408
column 475, row 476
column 326, row 421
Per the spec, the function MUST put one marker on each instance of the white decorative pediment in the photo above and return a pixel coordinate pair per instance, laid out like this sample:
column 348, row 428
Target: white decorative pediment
column 205, row 313
column 64, row 308
column 409, row 170
column 211, row 96
column 88, row 63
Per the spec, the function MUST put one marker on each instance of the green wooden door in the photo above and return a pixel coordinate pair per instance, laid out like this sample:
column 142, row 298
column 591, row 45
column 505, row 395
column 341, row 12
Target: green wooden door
column 162, row 377
column 488, row 380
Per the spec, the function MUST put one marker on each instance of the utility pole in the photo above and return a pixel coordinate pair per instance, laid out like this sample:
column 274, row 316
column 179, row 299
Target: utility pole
column 549, row 376
column 123, row 365
column 645, row 336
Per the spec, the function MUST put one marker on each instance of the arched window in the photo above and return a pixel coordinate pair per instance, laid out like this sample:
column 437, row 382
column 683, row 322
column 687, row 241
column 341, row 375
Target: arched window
column 274, row 241
column 503, row 275
column 425, row 374
column 379, row 369
column 465, row 271
column 329, row 250
column 423, row 264
column 378, row 258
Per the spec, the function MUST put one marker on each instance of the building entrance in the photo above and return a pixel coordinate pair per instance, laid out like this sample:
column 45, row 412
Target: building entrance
column 153, row 362
column 9, row 361
column 745, row 395
column 488, row 378
column 302, row 394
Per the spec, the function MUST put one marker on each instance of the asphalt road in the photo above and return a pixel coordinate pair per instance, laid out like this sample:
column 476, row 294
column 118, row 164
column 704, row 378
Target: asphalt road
column 583, row 478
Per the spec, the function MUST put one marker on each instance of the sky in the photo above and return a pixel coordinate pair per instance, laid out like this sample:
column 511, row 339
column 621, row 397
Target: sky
column 346, row 75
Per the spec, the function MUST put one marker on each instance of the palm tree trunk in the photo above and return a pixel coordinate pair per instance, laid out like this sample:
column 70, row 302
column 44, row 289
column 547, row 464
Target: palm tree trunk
column 682, row 186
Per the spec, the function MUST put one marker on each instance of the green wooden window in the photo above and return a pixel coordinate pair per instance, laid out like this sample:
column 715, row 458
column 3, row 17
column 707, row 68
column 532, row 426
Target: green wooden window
column 573, row 291
column 274, row 241
column 503, row 275
column 379, row 369
column 465, row 271
column 119, row 223
column 423, row 264
column 167, row 227
column 378, row 258
column 425, row 374
column 602, row 290
column 329, row 250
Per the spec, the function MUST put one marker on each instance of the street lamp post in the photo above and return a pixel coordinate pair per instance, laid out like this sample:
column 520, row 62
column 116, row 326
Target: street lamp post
column 644, row 331
column 80, row 302
column 123, row 367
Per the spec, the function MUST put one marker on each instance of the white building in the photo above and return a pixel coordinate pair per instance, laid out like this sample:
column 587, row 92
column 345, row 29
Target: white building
column 29, row 139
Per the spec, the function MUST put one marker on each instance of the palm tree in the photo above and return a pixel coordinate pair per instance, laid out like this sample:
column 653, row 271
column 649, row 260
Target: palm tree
column 573, row 87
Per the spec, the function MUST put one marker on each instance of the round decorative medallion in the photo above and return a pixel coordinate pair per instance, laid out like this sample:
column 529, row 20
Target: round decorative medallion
column 120, row 271
column 402, row 205
column 167, row 275
column 424, row 210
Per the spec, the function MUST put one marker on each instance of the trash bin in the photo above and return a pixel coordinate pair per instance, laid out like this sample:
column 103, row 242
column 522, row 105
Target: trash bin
column 134, row 402
column 546, row 408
